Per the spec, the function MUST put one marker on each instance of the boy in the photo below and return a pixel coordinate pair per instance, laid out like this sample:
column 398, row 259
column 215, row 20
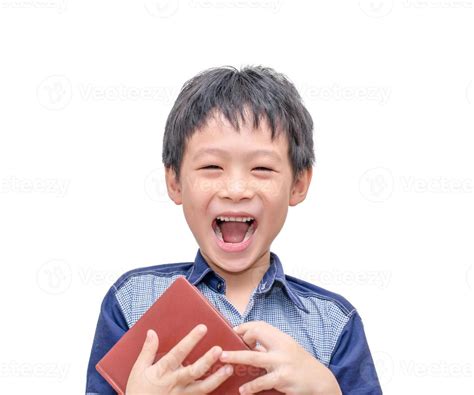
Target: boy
column 238, row 151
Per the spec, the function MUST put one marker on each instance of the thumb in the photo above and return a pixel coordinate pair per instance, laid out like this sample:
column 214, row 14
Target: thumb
column 148, row 352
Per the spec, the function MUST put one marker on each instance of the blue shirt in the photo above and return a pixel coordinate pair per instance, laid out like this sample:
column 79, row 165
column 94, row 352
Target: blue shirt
column 322, row 322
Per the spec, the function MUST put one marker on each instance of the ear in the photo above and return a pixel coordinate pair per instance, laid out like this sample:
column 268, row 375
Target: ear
column 173, row 186
column 300, row 187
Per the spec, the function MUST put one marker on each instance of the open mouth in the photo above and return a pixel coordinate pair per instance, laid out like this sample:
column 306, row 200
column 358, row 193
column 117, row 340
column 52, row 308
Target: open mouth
column 234, row 230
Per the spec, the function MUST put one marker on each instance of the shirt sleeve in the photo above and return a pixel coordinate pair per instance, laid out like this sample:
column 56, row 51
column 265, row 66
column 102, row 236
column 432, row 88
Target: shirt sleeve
column 352, row 363
column 111, row 326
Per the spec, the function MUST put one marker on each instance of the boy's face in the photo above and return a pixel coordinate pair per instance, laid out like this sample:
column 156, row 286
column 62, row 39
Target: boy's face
column 233, row 180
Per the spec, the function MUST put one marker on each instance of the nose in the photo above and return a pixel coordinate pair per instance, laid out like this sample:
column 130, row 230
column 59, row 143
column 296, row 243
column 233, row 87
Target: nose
column 236, row 187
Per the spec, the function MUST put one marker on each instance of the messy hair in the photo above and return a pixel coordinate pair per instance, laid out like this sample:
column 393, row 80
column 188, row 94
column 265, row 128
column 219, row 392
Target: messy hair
column 256, row 91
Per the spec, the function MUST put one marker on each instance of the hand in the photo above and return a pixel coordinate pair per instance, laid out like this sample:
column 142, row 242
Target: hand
column 290, row 368
column 168, row 375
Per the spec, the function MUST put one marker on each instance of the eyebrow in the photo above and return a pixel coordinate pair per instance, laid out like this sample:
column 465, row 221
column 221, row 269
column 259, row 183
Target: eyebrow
column 218, row 151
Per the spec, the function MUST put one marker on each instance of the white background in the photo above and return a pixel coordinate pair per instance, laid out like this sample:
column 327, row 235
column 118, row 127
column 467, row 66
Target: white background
column 85, row 89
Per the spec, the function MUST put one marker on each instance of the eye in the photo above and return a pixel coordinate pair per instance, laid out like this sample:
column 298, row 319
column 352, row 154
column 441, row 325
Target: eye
column 263, row 169
column 210, row 167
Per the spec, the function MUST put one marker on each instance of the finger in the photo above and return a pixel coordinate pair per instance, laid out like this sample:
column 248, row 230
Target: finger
column 258, row 331
column 253, row 358
column 266, row 382
column 201, row 366
column 259, row 347
column 174, row 358
column 211, row 382
column 148, row 351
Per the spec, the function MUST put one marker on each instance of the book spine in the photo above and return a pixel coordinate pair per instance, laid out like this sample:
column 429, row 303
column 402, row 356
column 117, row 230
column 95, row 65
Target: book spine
column 110, row 380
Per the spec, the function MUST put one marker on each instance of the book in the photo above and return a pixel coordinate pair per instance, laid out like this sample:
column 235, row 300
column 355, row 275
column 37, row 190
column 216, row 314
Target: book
column 178, row 310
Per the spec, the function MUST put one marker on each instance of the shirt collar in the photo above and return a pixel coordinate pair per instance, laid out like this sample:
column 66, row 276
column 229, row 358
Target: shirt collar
column 201, row 271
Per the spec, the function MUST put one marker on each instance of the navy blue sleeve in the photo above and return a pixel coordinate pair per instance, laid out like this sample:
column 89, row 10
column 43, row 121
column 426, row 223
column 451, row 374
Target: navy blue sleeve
column 111, row 326
column 352, row 363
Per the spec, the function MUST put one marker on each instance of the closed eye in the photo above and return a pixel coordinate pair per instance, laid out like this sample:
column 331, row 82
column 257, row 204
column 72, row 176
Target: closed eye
column 211, row 167
column 263, row 168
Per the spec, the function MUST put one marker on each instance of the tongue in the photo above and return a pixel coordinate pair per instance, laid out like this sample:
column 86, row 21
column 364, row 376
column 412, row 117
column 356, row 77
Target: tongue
column 233, row 232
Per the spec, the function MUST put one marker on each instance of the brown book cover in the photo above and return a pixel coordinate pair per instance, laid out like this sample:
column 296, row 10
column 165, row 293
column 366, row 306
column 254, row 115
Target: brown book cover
column 178, row 310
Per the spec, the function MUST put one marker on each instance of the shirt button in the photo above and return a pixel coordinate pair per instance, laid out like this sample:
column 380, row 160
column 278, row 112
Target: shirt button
column 219, row 286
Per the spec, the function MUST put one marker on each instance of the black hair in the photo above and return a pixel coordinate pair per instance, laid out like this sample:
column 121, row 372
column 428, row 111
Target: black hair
column 260, row 90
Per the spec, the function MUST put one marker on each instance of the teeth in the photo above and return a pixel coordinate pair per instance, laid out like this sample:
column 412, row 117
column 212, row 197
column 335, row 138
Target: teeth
column 249, row 233
column 235, row 219
column 219, row 234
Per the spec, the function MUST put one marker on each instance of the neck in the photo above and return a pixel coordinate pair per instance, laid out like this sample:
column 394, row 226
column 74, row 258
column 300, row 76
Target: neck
column 245, row 280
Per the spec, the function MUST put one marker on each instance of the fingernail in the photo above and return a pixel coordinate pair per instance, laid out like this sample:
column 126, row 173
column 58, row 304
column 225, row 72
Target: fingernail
column 224, row 355
column 217, row 351
column 228, row 369
column 202, row 328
